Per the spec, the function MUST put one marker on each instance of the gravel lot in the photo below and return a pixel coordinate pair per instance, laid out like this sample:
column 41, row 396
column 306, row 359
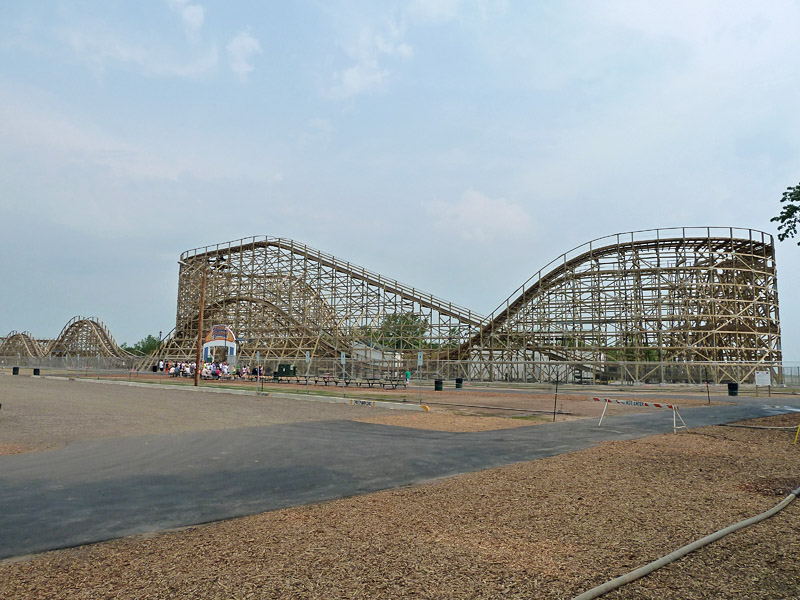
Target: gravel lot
column 545, row 529
column 30, row 419
column 91, row 409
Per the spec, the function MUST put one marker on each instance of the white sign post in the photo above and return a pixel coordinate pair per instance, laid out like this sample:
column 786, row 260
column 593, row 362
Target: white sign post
column 258, row 369
column 343, row 373
column 419, row 374
column 763, row 379
column 308, row 366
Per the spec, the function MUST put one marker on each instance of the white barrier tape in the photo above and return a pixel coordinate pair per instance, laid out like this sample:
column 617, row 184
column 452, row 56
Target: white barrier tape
column 636, row 403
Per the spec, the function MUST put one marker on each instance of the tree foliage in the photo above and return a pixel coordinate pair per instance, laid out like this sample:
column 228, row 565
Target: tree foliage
column 790, row 214
column 402, row 331
column 143, row 347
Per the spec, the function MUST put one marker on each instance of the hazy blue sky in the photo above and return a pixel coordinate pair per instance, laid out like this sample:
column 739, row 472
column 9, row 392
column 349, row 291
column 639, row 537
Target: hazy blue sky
column 457, row 146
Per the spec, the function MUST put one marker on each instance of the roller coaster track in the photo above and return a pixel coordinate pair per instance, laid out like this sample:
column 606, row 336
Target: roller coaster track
column 409, row 293
column 307, row 329
column 22, row 344
column 87, row 334
column 81, row 335
column 284, row 299
column 543, row 280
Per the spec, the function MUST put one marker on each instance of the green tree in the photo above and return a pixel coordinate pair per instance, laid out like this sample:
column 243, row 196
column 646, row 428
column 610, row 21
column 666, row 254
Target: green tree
column 790, row 215
column 453, row 338
column 144, row 346
column 402, row 331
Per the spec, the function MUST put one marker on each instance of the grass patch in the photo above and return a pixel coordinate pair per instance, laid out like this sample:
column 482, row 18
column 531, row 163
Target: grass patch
column 530, row 418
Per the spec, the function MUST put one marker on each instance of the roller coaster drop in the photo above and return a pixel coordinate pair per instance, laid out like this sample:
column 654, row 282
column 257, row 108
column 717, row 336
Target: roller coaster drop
column 681, row 304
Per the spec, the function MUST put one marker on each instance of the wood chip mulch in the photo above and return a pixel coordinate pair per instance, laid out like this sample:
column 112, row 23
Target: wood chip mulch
column 545, row 529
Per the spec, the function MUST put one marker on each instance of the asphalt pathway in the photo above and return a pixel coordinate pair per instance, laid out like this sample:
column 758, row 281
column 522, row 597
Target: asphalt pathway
column 98, row 490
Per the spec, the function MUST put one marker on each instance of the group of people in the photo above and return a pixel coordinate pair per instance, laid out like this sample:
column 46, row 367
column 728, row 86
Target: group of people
column 223, row 370
column 177, row 369
column 212, row 370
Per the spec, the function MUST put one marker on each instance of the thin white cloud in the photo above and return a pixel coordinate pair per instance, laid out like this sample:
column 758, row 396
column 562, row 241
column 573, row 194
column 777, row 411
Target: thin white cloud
column 435, row 10
column 241, row 51
column 192, row 16
column 34, row 130
column 318, row 131
column 103, row 50
column 363, row 77
column 440, row 11
column 37, row 134
column 477, row 218
column 368, row 74
column 716, row 95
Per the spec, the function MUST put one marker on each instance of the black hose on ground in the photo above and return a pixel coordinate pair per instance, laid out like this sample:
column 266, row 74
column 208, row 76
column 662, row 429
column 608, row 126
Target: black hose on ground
column 598, row 591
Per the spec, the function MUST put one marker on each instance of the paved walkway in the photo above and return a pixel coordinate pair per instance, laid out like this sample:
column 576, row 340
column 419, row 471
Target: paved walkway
column 93, row 491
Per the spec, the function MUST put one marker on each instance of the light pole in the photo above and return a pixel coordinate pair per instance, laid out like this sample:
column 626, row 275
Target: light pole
column 199, row 325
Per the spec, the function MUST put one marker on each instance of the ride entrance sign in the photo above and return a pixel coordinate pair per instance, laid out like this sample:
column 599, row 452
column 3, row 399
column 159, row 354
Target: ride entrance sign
column 220, row 335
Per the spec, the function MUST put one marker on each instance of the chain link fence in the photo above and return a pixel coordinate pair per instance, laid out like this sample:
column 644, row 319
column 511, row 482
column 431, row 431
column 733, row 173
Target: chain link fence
column 510, row 372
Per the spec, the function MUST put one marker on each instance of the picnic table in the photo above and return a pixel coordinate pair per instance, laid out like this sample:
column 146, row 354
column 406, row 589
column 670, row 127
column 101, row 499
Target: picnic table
column 394, row 382
column 326, row 379
column 369, row 381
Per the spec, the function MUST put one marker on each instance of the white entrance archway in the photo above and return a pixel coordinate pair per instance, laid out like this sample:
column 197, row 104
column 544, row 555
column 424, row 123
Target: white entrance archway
column 220, row 335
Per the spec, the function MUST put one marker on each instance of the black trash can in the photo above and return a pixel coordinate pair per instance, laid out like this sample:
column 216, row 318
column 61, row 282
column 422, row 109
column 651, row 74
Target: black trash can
column 733, row 388
column 438, row 385
column 36, row 372
column 15, row 370
column 154, row 368
column 459, row 383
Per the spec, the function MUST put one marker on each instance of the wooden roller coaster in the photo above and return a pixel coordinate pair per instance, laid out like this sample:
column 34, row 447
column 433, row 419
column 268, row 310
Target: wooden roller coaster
column 656, row 305
column 661, row 305
column 649, row 302
column 86, row 336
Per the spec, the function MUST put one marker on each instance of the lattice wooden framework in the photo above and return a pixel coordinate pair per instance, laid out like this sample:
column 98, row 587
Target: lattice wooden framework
column 283, row 299
column 658, row 305
column 85, row 336
column 21, row 343
column 682, row 304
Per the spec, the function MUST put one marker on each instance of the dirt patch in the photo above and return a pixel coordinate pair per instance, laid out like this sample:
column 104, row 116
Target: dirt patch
column 545, row 529
column 15, row 449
